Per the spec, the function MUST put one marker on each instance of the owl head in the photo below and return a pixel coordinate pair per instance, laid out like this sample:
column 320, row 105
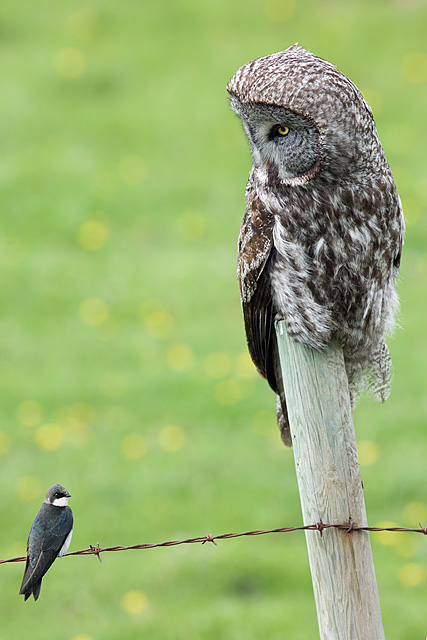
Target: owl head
column 303, row 118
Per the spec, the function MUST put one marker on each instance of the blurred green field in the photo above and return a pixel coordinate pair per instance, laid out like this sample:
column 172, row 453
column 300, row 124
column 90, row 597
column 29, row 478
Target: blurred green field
column 124, row 373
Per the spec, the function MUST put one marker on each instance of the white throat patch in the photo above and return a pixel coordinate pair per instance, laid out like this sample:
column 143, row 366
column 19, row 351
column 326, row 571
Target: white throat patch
column 60, row 502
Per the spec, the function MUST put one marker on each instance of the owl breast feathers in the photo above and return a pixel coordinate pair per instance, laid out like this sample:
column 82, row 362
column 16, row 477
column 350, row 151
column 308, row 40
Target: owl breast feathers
column 320, row 242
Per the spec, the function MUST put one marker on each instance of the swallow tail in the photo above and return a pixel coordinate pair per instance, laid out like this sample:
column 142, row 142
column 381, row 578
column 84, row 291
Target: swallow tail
column 29, row 587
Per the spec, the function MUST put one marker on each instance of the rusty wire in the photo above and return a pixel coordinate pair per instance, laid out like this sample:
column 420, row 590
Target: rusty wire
column 320, row 526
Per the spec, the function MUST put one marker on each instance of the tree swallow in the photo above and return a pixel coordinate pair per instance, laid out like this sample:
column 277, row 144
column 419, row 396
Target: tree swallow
column 49, row 538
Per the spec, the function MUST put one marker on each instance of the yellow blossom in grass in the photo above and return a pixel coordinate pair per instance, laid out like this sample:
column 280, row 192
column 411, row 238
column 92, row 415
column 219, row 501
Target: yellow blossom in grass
column 415, row 513
column 160, row 324
column 149, row 306
column 180, row 357
column 190, row 225
column 75, row 420
column 4, row 443
column 134, row 602
column 94, row 311
column 245, row 368
column 70, row 63
column 217, row 364
column 171, row 438
column 92, row 235
column 158, row 321
column 28, row 488
column 49, row 436
column 82, row 637
column 386, row 537
column 134, row 446
column 368, row 452
column 412, row 574
column 29, row 413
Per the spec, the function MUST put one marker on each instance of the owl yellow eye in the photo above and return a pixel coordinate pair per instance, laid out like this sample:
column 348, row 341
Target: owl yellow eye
column 278, row 131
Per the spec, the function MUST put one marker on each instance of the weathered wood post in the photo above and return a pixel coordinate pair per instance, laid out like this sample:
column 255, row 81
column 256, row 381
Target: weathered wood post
column 330, row 487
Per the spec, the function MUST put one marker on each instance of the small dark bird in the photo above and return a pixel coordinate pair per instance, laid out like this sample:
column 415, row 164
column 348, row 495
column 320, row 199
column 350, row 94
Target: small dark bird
column 321, row 240
column 49, row 538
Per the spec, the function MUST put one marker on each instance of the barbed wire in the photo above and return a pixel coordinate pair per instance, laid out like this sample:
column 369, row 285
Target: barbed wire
column 318, row 526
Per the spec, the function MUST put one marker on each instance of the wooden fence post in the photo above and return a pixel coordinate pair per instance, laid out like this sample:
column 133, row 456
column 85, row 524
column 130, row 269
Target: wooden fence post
column 331, row 491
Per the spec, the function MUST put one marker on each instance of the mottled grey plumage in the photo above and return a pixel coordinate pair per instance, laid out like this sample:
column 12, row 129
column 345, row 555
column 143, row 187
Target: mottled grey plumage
column 321, row 239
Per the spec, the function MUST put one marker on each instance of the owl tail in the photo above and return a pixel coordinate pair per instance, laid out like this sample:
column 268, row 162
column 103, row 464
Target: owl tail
column 281, row 409
column 372, row 377
column 282, row 420
column 378, row 376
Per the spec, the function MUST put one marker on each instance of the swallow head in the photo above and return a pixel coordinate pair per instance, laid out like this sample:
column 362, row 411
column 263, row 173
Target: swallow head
column 57, row 496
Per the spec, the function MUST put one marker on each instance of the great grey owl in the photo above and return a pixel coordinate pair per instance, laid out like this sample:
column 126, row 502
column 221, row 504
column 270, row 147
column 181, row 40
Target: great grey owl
column 320, row 243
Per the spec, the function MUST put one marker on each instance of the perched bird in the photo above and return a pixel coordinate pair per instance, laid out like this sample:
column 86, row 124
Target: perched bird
column 49, row 537
column 320, row 243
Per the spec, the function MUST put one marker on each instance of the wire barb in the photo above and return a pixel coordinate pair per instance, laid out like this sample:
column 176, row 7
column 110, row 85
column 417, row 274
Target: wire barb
column 319, row 527
column 351, row 527
column 96, row 551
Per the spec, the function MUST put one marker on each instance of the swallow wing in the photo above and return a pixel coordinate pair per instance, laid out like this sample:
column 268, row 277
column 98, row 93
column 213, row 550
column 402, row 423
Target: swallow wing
column 54, row 533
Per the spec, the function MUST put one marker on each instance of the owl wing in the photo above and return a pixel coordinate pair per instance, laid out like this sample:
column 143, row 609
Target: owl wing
column 255, row 252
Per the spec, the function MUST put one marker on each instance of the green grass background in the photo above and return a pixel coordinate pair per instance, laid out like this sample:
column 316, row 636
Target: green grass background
column 124, row 373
